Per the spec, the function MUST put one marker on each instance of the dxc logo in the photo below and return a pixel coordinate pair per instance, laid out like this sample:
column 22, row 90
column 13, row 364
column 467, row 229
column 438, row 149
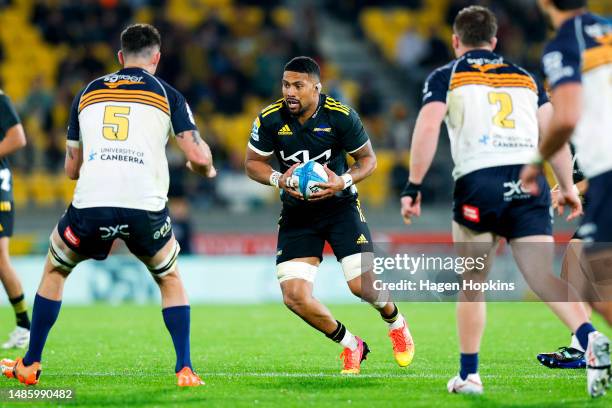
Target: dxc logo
column 303, row 156
column 111, row 232
column 514, row 190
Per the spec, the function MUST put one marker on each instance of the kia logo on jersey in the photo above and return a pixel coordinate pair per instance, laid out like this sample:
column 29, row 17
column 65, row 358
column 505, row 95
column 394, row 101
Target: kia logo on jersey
column 303, row 156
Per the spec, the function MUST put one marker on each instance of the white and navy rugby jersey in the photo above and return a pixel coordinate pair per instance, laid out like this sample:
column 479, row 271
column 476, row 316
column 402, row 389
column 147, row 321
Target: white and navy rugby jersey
column 492, row 109
column 123, row 121
column 582, row 52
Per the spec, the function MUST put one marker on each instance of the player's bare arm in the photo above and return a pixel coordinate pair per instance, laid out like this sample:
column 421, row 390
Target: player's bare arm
column 258, row 168
column 197, row 152
column 364, row 166
column 423, row 149
column 14, row 140
column 74, row 160
column 567, row 99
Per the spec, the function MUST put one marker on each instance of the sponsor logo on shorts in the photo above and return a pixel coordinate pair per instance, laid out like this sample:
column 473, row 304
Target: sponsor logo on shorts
column 471, row 213
column 362, row 240
column 111, row 232
column 71, row 236
column 515, row 191
column 5, row 206
column 164, row 230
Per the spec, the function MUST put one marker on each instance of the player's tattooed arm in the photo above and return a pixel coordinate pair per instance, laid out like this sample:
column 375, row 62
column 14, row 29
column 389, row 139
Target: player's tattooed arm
column 198, row 154
column 74, row 160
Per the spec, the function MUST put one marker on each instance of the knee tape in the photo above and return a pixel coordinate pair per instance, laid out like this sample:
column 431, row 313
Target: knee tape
column 296, row 270
column 355, row 265
column 168, row 264
column 59, row 259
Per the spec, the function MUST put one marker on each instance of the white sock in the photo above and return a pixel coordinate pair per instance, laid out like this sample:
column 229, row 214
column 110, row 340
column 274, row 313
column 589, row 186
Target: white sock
column 349, row 341
column 576, row 344
column 398, row 323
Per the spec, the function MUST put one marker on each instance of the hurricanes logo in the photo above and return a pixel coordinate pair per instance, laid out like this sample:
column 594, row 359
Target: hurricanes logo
column 362, row 240
column 285, row 131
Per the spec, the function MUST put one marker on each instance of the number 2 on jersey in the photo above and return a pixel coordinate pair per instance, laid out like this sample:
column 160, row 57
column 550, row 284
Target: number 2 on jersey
column 116, row 122
column 505, row 109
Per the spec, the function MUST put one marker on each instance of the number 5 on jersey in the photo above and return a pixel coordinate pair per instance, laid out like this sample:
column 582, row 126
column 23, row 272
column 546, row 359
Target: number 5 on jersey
column 505, row 109
column 116, row 123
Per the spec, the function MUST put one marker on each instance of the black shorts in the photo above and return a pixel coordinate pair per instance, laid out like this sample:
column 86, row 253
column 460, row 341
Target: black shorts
column 492, row 200
column 91, row 232
column 302, row 231
column 7, row 218
column 596, row 225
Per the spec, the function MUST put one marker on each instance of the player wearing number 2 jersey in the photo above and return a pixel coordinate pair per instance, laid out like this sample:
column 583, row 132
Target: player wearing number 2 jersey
column 493, row 110
column 119, row 127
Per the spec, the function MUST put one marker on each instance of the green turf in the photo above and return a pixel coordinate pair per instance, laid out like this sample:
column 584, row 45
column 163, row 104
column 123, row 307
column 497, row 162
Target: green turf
column 265, row 356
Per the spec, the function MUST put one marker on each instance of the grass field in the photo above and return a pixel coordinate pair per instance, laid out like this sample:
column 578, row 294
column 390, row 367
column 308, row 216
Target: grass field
column 265, row 356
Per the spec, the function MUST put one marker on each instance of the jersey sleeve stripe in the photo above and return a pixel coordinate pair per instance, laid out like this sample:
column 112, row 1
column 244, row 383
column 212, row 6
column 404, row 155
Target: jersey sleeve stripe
column 73, row 143
column 259, row 152
column 359, row 148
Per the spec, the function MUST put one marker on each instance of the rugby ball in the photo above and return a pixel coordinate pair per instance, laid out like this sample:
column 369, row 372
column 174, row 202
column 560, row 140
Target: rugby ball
column 308, row 175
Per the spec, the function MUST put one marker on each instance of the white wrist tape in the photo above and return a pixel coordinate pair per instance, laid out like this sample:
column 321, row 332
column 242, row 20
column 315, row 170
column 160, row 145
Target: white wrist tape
column 348, row 180
column 274, row 178
column 292, row 182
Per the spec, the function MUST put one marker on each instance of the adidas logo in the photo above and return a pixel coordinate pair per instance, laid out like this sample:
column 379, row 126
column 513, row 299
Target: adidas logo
column 362, row 240
column 285, row 131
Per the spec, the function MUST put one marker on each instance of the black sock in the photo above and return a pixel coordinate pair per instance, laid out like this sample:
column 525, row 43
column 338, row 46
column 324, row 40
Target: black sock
column 21, row 311
column 338, row 334
column 392, row 317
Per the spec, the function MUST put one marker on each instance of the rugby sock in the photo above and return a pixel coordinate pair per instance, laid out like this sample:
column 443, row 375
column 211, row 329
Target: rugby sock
column 575, row 344
column 582, row 334
column 395, row 320
column 343, row 336
column 469, row 365
column 177, row 319
column 21, row 311
column 44, row 315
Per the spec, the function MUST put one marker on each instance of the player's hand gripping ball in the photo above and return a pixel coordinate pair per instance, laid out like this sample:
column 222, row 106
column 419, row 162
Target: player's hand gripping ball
column 308, row 175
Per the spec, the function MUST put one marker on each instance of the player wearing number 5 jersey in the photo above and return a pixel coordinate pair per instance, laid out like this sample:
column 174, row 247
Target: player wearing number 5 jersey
column 493, row 110
column 119, row 127
column 12, row 138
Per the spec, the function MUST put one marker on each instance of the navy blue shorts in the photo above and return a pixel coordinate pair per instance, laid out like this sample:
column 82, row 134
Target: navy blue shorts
column 91, row 232
column 596, row 225
column 492, row 200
